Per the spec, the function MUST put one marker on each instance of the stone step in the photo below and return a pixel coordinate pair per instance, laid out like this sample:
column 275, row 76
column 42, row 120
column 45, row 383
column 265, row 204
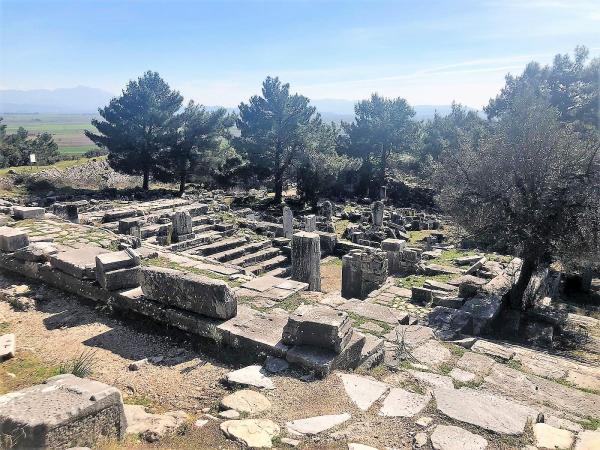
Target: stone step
column 280, row 272
column 240, row 251
column 220, row 246
column 201, row 220
column 256, row 257
column 269, row 264
column 203, row 228
column 200, row 239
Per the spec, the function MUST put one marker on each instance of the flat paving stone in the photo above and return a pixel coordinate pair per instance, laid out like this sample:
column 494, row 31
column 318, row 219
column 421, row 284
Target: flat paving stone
column 316, row 425
column 462, row 376
column 536, row 390
column 254, row 433
column 374, row 311
column 432, row 380
column 456, row 438
column 476, row 363
column 550, row 437
column 251, row 376
column 492, row 349
column 413, row 335
column 432, row 353
column 140, row 421
column 484, row 410
column 402, row 403
column 363, row 391
column 588, row 440
column 246, row 401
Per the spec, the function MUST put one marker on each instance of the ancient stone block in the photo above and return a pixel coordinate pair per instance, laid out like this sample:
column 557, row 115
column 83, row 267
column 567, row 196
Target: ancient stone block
column 12, row 239
column 393, row 249
column 318, row 326
column 119, row 279
column 484, row 309
column 196, row 293
column 126, row 224
column 363, row 271
column 36, row 252
column 310, row 223
column 306, row 259
column 450, row 323
column 288, row 222
column 64, row 412
column 79, row 262
column 28, row 212
column 377, row 209
column 323, row 361
column 182, row 226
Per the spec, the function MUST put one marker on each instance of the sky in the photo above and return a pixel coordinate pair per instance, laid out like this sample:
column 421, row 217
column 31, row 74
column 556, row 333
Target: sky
column 218, row 52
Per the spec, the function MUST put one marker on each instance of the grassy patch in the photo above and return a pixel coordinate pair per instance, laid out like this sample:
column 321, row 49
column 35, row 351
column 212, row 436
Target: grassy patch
column 340, row 226
column 449, row 256
column 332, row 261
column 590, row 423
column 59, row 165
column 4, row 327
column 292, row 302
column 514, row 364
column 418, row 236
column 359, row 321
column 418, row 280
column 28, row 369
column 456, row 350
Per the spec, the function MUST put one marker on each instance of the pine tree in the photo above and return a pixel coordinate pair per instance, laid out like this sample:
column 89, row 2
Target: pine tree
column 137, row 125
column 274, row 128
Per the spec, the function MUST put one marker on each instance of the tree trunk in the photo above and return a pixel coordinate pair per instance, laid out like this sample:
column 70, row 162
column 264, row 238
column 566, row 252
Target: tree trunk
column 146, row 184
column 182, row 181
column 383, row 167
column 278, row 188
column 518, row 290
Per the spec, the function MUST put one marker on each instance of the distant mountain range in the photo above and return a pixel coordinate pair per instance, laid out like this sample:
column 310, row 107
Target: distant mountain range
column 87, row 100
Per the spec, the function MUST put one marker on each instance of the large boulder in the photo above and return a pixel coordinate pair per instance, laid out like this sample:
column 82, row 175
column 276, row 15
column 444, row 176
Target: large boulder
column 195, row 293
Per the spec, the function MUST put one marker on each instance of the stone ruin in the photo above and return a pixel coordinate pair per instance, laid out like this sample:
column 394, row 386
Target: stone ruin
column 64, row 412
column 363, row 271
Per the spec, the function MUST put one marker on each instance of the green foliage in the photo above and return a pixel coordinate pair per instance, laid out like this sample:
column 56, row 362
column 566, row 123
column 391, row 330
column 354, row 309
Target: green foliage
column 381, row 126
column 569, row 85
column 274, row 129
column 15, row 148
column 445, row 133
column 138, row 126
column 320, row 168
column 82, row 366
column 197, row 138
column 529, row 185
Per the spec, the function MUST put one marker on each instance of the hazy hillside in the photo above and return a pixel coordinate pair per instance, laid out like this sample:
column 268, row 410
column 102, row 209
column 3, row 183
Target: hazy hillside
column 77, row 100
column 87, row 100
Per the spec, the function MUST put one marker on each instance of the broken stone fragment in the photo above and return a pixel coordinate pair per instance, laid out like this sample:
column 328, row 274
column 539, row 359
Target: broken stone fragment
column 316, row 425
column 453, row 438
column 246, row 401
column 7, row 346
column 254, row 433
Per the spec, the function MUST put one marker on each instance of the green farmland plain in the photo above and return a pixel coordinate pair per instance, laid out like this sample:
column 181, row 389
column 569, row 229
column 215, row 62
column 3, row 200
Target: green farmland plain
column 66, row 129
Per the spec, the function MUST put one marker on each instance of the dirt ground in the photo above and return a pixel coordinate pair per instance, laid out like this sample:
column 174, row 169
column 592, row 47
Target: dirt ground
column 61, row 327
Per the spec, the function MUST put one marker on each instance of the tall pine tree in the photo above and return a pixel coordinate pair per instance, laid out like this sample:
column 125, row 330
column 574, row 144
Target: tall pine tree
column 274, row 128
column 137, row 125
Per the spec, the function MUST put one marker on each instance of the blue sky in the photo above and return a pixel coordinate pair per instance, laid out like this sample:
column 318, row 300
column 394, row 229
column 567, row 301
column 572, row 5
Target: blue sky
column 218, row 52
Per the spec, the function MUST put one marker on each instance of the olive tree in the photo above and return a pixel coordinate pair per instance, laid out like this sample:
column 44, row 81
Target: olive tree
column 528, row 185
